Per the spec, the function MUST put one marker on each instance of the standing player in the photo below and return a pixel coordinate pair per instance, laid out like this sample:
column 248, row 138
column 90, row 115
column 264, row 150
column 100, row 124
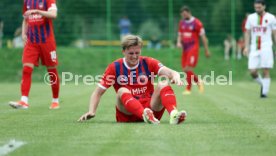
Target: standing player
column 260, row 26
column 38, row 35
column 132, row 78
column 189, row 31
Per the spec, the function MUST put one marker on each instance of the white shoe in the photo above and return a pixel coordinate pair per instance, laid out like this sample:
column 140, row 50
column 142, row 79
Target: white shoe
column 177, row 117
column 19, row 105
column 148, row 117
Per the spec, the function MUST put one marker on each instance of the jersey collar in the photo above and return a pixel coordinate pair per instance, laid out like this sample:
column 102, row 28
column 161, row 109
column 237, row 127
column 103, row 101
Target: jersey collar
column 190, row 20
column 130, row 68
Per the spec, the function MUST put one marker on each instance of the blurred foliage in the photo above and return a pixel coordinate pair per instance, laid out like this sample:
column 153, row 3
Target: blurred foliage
column 86, row 19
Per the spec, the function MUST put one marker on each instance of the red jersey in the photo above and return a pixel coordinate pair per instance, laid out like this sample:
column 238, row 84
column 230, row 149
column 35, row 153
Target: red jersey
column 138, row 79
column 40, row 29
column 190, row 30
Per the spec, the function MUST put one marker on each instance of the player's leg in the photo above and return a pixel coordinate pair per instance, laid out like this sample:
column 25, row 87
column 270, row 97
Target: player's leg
column 266, row 82
column 253, row 65
column 29, row 60
column 128, row 105
column 227, row 47
column 188, row 68
column 164, row 97
column 55, row 84
column 266, row 64
column 50, row 60
column 185, row 68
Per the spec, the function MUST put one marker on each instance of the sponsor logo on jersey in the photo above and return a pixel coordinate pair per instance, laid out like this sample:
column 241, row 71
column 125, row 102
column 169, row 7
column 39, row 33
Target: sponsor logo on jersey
column 40, row 5
column 259, row 29
column 138, row 91
column 35, row 17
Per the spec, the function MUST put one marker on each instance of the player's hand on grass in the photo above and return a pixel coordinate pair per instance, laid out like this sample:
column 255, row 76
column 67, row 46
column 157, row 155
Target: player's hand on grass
column 86, row 116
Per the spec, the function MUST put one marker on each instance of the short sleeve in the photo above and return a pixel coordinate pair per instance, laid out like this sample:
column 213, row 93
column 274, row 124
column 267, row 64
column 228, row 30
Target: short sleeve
column 200, row 28
column 51, row 5
column 108, row 78
column 247, row 23
column 155, row 66
column 24, row 7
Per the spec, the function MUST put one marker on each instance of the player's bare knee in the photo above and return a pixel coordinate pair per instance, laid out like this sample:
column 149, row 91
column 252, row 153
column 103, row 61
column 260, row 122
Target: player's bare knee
column 122, row 90
column 162, row 84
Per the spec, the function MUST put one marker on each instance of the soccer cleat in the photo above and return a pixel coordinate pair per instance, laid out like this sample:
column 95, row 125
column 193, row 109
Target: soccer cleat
column 177, row 117
column 200, row 87
column 19, row 105
column 54, row 105
column 187, row 92
column 149, row 117
column 262, row 95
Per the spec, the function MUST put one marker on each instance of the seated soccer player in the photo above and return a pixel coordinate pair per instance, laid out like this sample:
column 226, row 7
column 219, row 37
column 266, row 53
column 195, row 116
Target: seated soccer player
column 132, row 78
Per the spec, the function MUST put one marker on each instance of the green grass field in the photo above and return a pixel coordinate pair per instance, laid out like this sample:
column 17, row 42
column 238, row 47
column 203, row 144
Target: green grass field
column 226, row 120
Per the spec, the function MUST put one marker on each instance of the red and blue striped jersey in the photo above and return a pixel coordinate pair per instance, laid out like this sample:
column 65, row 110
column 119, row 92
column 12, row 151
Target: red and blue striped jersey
column 39, row 29
column 190, row 30
column 139, row 79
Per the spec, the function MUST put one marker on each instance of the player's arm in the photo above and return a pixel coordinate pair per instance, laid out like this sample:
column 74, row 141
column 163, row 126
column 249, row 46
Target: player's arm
column 24, row 30
column 94, row 102
column 178, row 44
column 48, row 14
column 246, row 40
column 173, row 76
column 205, row 44
column 274, row 36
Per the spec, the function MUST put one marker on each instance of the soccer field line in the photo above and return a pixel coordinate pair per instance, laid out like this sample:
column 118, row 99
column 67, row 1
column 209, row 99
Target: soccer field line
column 10, row 146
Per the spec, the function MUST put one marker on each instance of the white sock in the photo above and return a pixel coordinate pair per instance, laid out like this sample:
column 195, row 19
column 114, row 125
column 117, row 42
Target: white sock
column 266, row 85
column 55, row 100
column 259, row 80
column 172, row 112
column 24, row 99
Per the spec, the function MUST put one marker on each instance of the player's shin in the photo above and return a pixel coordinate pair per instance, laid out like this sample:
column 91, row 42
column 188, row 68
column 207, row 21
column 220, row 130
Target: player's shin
column 132, row 105
column 168, row 98
column 54, row 83
column 26, row 83
column 266, row 85
column 189, row 80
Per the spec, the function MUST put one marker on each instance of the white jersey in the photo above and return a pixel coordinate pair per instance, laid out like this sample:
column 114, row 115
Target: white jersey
column 261, row 31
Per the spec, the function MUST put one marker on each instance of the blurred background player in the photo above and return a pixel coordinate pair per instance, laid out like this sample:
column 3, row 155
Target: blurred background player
column 260, row 27
column 229, row 47
column 132, row 78
column 39, row 40
column 124, row 25
column 189, row 31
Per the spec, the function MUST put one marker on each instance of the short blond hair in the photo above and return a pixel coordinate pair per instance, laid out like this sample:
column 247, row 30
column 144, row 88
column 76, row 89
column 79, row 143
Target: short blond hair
column 131, row 40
